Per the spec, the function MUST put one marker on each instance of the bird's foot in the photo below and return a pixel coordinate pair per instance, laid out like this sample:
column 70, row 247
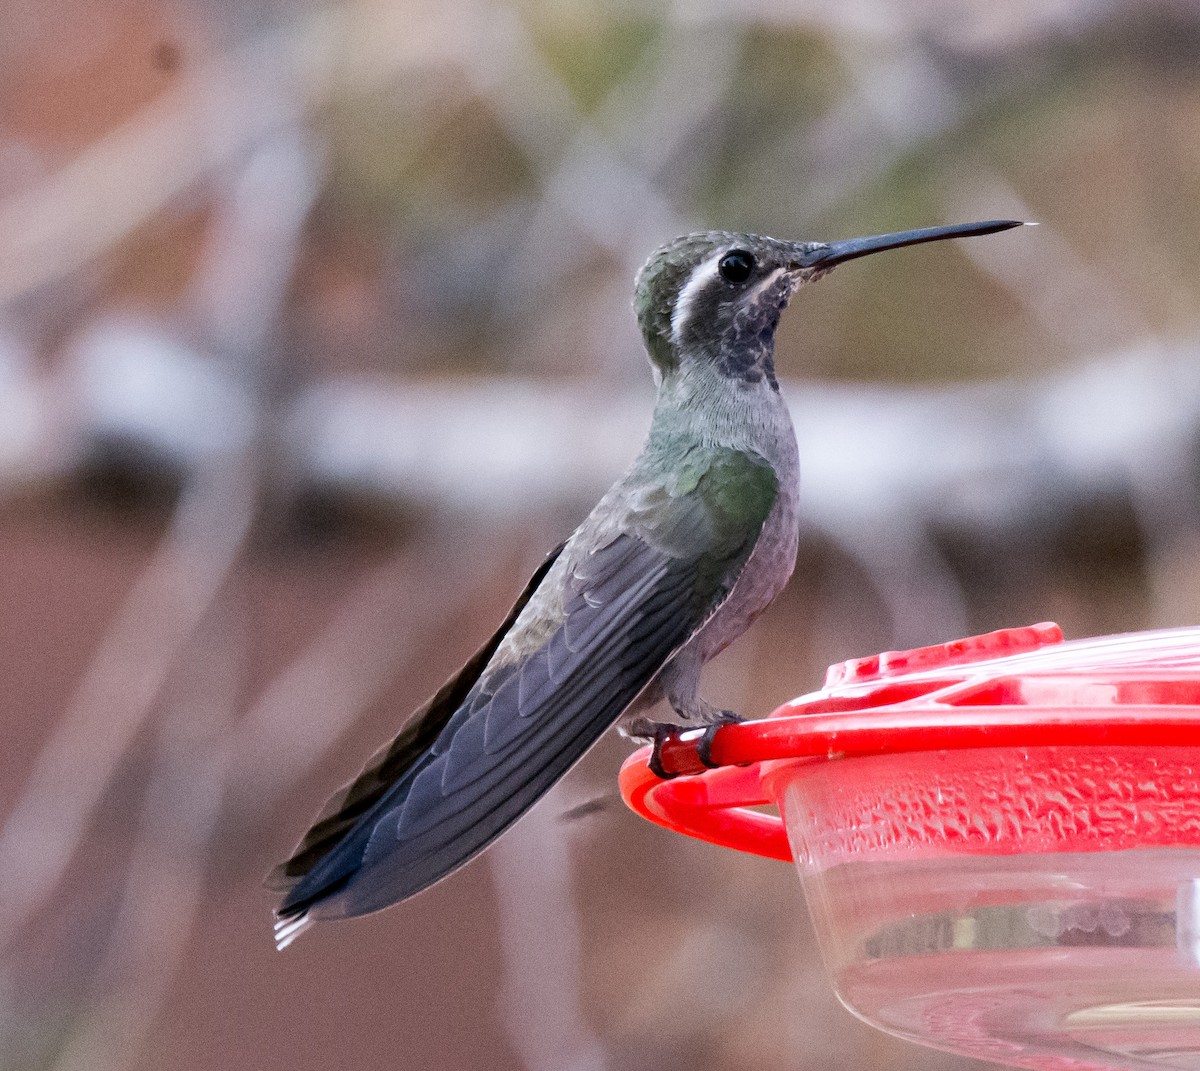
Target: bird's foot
column 640, row 729
column 656, row 732
column 705, row 743
column 662, row 733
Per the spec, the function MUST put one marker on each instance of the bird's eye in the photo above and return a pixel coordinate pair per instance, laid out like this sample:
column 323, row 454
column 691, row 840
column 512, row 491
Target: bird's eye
column 736, row 266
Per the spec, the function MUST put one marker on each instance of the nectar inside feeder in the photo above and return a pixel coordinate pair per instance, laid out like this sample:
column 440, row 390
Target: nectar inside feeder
column 998, row 839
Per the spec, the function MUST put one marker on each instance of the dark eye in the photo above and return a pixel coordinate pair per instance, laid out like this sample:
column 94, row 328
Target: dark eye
column 736, row 266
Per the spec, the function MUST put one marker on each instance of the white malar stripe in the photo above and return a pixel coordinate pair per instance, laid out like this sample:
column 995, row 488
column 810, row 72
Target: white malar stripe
column 760, row 287
column 702, row 273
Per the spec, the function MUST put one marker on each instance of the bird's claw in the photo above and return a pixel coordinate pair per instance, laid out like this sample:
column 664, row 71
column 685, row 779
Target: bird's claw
column 661, row 734
column 705, row 743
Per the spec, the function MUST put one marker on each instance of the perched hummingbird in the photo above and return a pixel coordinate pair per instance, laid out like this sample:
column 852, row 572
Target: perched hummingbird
column 673, row 564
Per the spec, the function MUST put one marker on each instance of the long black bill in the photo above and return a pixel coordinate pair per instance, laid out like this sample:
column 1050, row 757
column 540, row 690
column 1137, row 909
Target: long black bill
column 828, row 254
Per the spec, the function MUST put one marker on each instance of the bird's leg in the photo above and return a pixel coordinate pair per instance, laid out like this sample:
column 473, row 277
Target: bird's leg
column 679, row 683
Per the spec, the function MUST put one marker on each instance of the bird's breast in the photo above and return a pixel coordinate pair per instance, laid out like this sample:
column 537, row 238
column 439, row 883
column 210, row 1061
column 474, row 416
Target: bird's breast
column 770, row 564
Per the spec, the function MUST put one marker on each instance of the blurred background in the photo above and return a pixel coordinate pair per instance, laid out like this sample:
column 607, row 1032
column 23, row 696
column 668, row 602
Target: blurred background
column 315, row 335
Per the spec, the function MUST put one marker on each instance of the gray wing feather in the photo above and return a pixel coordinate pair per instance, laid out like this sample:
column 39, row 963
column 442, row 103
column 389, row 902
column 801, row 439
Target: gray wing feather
column 521, row 728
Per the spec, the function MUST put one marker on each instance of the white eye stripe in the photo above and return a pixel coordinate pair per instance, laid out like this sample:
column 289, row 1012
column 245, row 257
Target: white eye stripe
column 702, row 273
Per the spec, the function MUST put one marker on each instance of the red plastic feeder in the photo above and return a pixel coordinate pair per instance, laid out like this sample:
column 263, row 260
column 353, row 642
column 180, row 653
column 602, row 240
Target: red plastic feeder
column 999, row 839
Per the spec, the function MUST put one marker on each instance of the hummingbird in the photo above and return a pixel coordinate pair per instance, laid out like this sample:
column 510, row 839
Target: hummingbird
column 674, row 563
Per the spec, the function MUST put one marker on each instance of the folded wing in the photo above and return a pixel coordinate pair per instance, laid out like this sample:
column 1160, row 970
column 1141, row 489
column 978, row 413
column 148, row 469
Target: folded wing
column 489, row 749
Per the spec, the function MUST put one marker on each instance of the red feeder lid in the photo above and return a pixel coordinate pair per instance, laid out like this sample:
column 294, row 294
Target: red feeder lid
column 1021, row 687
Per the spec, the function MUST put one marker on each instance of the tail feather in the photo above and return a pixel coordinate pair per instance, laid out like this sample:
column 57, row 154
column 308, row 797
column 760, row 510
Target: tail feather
column 288, row 928
column 391, row 763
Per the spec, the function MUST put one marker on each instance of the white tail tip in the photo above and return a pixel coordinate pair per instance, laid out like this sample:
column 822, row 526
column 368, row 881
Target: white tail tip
column 287, row 930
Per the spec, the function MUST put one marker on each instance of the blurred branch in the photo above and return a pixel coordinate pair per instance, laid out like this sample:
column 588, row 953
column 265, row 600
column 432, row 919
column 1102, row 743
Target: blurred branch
column 541, row 999
column 305, row 709
column 119, row 690
column 229, row 105
column 159, row 629
column 165, row 878
column 1064, row 294
column 219, row 111
column 972, row 453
